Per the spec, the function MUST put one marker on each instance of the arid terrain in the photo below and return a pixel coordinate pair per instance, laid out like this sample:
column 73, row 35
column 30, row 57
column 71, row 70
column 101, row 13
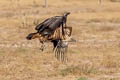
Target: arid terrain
column 95, row 55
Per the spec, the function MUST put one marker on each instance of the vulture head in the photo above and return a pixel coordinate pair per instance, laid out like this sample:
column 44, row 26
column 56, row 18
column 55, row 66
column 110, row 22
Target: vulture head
column 64, row 18
column 67, row 13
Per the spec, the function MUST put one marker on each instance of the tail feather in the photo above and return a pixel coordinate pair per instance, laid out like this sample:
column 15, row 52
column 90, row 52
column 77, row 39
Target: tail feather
column 29, row 37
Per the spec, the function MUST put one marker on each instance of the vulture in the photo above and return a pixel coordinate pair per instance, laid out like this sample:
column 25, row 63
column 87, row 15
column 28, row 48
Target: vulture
column 56, row 31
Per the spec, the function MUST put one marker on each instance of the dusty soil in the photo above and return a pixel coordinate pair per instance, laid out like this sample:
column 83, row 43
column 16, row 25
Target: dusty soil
column 95, row 55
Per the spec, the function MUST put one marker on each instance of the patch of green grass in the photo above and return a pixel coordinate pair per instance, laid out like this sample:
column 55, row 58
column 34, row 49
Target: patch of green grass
column 108, row 79
column 113, row 79
column 115, row 0
column 66, row 71
column 93, row 20
column 74, row 51
column 22, row 50
column 2, row 51
column 79, row 70
column 82, row 78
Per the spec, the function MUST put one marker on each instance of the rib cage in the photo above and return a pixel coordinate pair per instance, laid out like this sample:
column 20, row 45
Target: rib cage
column 61, row 48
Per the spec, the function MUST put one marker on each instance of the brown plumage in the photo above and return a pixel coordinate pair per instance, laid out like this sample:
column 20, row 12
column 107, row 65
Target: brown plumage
column 53, row 31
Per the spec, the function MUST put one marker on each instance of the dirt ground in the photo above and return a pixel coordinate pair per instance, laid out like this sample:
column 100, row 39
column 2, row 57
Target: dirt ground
column 95, row 55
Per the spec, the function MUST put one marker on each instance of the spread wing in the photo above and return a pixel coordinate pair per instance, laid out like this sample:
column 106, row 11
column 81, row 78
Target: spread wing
column 38, row 27
column 56, row 23
column 50, row 22
column 48, row 26
column 44, row 24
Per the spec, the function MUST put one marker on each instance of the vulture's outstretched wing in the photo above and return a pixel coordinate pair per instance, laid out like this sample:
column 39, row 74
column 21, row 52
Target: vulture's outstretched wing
column 44, row 24
column 57, row 23
column 39, row 26
column 52, row 24
column 47, row 23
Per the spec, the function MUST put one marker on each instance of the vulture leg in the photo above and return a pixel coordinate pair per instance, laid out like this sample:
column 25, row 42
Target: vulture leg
column 42, row 47
column 54, row 44
column 57, row 52
column 63, row 29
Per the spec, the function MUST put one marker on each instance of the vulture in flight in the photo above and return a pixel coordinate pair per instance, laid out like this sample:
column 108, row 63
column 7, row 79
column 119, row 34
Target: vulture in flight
column 56, row 31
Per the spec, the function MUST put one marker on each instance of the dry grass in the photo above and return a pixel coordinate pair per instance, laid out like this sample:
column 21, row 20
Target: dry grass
column 94, row 57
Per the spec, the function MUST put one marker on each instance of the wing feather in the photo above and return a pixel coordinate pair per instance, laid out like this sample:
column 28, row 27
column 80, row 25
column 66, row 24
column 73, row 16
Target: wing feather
column 45, row 24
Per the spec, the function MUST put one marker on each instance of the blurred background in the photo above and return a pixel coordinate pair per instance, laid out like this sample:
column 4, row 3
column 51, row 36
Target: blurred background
column 95, row 55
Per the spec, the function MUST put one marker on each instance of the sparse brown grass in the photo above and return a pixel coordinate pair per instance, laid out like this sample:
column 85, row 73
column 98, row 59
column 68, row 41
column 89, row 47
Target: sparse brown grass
column 95, row 56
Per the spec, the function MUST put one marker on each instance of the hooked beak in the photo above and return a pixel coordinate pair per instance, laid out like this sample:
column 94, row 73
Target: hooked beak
column 68, row 13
